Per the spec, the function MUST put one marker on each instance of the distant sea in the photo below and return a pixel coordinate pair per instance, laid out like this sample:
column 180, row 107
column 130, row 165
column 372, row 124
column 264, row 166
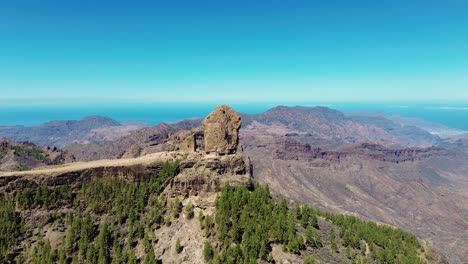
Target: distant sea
column 451, row 115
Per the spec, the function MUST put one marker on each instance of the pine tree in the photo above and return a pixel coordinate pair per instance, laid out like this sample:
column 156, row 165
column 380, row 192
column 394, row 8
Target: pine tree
column 150, row 257
column 309, row 260
column 312, row 237
column 61, row 255
column 208, row 251
column 333, row 244
column 189, row 210
column 103, row 244
column 176, row 207
column 208, row 225
column 131, row 257
column 178, row 246
column 70, row 238
column 91, row 254
column 314, row 221
column 117, row 258
column 201, row 218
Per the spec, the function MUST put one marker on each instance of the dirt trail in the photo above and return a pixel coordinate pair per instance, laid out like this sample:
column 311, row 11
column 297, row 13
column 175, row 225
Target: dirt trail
column 144, row 160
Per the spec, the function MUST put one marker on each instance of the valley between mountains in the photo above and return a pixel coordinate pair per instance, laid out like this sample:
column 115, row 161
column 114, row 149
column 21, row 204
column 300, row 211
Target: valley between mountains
column 194, row 192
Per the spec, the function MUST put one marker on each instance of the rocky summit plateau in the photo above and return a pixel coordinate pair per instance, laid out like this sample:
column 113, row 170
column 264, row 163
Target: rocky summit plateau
column 291, row 185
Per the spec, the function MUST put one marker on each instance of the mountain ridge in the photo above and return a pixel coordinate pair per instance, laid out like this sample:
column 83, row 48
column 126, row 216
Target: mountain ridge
column 60, row 133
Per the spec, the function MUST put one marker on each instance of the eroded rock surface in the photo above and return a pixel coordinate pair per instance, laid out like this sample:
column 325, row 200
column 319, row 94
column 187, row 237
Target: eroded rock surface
column 291, row 149
column 189, row 141
column 221, row 131
column 202, row 174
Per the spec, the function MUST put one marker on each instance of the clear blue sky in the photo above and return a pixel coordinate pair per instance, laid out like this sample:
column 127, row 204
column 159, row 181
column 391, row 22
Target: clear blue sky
column 243, row 51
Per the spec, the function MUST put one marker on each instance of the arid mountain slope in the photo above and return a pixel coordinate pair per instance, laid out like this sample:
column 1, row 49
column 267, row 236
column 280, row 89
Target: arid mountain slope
column 24, row 156
column 440, row 130
column 62, row 133
column 459, row 144
column 423, row 190
column 332, row 126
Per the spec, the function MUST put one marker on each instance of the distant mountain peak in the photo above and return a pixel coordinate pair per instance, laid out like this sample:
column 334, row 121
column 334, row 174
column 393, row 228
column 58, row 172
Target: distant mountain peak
column 99, row 118
column 319, row 111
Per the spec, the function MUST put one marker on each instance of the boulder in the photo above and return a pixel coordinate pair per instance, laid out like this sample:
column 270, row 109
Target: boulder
column 221, row 131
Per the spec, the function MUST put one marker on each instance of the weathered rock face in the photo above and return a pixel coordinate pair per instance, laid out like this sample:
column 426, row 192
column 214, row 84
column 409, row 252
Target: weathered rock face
column 199, row 174
column 202, row 175
column 221, row 131
column 11, row 184
column 185, row 141
column 292, row 149
column 188, row 144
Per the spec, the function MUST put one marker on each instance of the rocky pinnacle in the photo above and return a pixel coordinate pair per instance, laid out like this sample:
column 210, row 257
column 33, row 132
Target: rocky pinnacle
column 221, row 131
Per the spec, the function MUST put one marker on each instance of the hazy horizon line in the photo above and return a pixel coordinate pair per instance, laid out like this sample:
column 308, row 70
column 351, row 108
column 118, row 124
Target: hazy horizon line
column 78, row 102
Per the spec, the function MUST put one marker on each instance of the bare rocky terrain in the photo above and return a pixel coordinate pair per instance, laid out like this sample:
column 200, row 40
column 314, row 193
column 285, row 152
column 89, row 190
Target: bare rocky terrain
column 423, row 188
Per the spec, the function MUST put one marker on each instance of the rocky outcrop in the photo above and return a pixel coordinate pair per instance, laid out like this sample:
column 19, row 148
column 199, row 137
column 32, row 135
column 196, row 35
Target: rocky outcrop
column 13, row 183
column 221, row 131
column 219, row 134
column 188, row 141
column 292, row 149
column 201, row 175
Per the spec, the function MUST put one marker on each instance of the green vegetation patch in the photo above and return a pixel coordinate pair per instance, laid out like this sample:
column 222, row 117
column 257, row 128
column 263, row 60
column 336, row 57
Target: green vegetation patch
column 11, row 227
column 249, row 222
column 387, row 244
column 2, row 153
column 109, row 218
column 22, row 151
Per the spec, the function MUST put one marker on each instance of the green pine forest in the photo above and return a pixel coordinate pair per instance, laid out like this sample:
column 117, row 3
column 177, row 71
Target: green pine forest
column 106, row 219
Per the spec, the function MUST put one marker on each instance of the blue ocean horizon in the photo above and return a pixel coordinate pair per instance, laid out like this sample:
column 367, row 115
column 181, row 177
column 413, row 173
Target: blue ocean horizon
column 449, row 114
